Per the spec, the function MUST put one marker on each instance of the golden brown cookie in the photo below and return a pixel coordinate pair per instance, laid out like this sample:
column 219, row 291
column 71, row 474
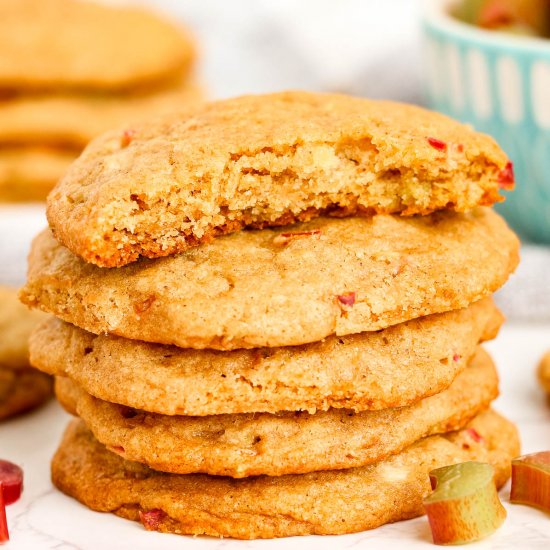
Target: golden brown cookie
column 16, row 325
column 29, row 173
column 390, row 368
column 86, row 45
column 282, row 287
column 544, row 372
column 277, row 444
column 22, row 390
column 71, row 120
column 21, row 387
column 336, row 502
column 166, row 185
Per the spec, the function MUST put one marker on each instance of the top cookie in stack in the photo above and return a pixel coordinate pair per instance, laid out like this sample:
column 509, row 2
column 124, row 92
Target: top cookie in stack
column 291, row 286
column 266, row 161
column 72, row 69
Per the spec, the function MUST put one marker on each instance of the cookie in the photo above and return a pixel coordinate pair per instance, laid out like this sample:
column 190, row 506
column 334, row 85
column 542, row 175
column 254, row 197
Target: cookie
column 264, row 160
column 22, row 390
column 391, row 368
column 29, row 173
column 544, row 372
column 16, row 324
column 335, row 502
column 71, row 120
column 21, row 387
column 75, row 44
column 286, row 443
column 282, row 287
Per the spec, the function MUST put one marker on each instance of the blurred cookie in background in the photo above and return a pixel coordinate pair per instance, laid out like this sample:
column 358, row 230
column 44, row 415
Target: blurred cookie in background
column 72, row 69
column 21, row 387
column 544, row 372
column 28, row 173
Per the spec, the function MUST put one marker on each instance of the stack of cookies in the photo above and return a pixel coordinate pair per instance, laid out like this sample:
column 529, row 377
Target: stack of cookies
column 268, row 313
column 21, row 387
column 71, row 70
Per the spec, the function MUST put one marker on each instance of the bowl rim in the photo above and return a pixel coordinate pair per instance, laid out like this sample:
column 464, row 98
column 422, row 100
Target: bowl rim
column 436, row 15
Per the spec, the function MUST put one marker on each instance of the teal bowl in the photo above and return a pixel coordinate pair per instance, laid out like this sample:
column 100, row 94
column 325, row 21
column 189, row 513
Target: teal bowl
column 500, row 84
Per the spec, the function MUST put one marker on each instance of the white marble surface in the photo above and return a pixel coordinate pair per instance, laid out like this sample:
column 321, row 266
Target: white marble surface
column 46, row 519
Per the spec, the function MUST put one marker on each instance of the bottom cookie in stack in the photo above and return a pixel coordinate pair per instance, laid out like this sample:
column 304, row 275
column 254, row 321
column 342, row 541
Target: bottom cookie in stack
column 21, row 386
column 330, row 472
column 326, row 502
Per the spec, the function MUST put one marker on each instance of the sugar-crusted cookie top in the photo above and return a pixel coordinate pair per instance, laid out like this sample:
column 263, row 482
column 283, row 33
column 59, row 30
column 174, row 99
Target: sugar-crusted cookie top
column 158, row 188
column 85, row 45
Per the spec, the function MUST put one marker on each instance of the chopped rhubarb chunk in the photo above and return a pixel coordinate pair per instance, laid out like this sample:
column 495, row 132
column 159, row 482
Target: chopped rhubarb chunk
column 4, row 533
column 531, row 480
column 347, row 299
column 437, row 144
column 456, row 357
column 11, row 480
column 464, row 506
column 495, row 14
column 152, row 519
column 11, row 485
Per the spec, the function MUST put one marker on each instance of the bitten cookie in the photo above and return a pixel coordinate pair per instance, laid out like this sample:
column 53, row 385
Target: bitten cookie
column 372, row 370
column 336, row 502
column 282, row 287
column 284, row 443
column 161, row 187
column 75, row 44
